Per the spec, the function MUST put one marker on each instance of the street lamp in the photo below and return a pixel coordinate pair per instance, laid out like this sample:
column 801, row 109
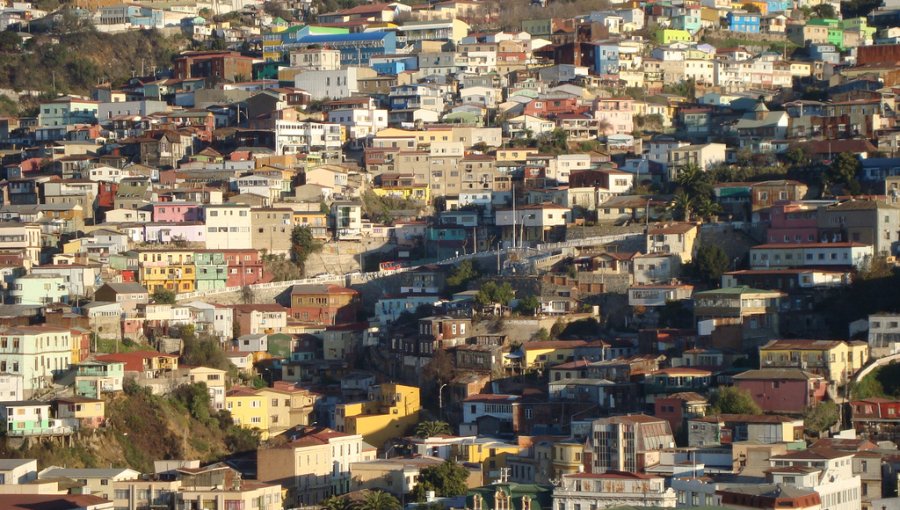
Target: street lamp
column 441, row 400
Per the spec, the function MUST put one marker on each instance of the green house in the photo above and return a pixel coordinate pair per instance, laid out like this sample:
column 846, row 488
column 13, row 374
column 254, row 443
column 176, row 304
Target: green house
column 211, row 270
column 94, row 378
column 26, row 418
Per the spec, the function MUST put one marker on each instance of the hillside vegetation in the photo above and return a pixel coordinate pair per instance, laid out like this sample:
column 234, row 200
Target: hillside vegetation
column 84, row 59
column 142, row 428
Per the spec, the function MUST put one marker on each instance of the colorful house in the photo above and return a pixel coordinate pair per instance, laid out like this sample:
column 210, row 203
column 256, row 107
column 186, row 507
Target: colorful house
column 836, row 360
column 211, row 270
column 94, row 378
column 29, row 418
column 491, row 454
column 248, row 409
column 670, row 35
column 81, row 412
column 782, row 390
column 391, row 410
column 324, row 304
column 170, row 269
column 742, row 21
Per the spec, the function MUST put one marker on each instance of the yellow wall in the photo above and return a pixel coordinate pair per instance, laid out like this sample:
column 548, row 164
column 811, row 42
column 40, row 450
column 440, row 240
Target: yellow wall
column 390, row 415
column 838, row 359
column 416, row 192
column 491, row 456
column 244, row 408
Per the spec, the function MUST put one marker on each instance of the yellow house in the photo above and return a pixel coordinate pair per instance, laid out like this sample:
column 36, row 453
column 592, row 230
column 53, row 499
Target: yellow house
column 567, row 458
column 249, row 409
column 86, row 412
column 491, row 454
column 402, row 186
column 670, row 35
column 170, row 269
column 391, row 410
column 540, row 354
column 423, row 137
column 73, row 246
column 279, row 405
column 762, row 6
column 520, row 154
column 835, row 360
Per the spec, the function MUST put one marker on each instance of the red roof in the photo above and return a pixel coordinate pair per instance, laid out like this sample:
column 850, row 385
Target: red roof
column 134, row 361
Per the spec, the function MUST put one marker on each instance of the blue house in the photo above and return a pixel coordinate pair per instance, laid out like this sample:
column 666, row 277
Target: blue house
column 779, row 5
column 744, row 22
column 391, row 68
column 356, row 49
column 606, row 58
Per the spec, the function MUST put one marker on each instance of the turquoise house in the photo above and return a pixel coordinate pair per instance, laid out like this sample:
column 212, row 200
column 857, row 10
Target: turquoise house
column 211, row 270
column 26, row 418
column 94, row 378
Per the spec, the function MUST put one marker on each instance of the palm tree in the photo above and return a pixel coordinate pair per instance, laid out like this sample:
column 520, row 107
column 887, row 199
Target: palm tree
column 706, row 208
column 689, row 177
column 336, row 503
column 682, row 205
column 378, row 500
column 428, row 429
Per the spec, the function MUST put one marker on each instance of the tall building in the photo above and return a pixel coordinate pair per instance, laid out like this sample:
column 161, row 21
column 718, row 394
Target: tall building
column 622, row 443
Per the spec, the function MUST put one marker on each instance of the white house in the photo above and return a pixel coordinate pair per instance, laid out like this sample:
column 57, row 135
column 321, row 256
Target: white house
column 608, row 490
column 227, row 226
column 332, row 83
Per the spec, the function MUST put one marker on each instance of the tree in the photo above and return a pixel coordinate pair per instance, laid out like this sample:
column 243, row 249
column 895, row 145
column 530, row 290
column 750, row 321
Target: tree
column 428, row 429
column 163, row 296
column 440, row 369
column 9, row 41
column 195, row 397
column 822, row 417
column 706, row 208
column 528, row 305
column 378, row 500
column 843, row 170
column 823, row 10
column 336, row 503
column 491, row 293
column 710, row 262
column 303, row 244
column 446, row 480
column 682, row 205
column 202, row 352
column 869, row 387
column 798, row 156
column 461, row 276
column 732, row 400
column 751, row 8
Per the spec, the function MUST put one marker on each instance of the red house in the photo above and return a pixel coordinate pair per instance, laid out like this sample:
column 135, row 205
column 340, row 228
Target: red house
column 245, row 267
column 106, row 195
column 875, row 414
column 553, row 106
column 782, row 390
column 324, row 305
column 676, row 408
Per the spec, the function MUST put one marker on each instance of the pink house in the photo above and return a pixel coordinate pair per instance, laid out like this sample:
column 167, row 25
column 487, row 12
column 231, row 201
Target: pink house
column 177, row 212
column 615, row 111
column 167, row 232
column 792, row 222
column 782, row 390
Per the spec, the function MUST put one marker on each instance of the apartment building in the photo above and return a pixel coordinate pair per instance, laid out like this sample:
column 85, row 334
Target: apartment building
column 313, row 465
